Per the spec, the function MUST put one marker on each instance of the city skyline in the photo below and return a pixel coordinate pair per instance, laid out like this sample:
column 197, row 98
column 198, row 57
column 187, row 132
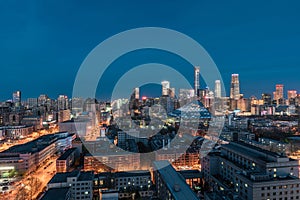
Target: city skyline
column 108, row 100
column 260, row 45
column 285, row 92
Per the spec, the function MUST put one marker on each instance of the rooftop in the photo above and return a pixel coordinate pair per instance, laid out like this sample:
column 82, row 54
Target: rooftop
column 81, row 176
column 132, row 173
column 56, row 193
column 35, row 145
column 188, row 174
column 174, row 181
column 67, row 154
column 253, row 151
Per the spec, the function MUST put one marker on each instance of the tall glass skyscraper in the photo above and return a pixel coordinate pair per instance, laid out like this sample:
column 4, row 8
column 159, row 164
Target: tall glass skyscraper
column 235, row 87
column 197, row 80
column 218, row 89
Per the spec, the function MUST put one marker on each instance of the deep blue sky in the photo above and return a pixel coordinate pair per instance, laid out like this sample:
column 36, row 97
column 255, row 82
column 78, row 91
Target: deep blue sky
column 43, row 43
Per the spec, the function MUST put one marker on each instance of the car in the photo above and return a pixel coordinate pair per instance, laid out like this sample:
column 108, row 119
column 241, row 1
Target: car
column 5, row 188
column 4, row 184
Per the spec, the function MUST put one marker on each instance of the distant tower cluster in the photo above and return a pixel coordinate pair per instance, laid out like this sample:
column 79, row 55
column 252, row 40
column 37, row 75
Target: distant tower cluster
column 235, row 87
column 218, row 89
column 197, row 80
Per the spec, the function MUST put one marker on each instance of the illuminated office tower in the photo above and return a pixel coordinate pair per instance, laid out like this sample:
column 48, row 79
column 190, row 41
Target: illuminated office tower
column 278, row 95
column 165, row 88
column 17, row 98
column 235, row 87
column 292, row 94
column 197, row 80
column 218, row 89
column 137, row 93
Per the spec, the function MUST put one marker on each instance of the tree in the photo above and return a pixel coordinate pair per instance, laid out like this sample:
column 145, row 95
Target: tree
column 34, row 186
column 22, row 194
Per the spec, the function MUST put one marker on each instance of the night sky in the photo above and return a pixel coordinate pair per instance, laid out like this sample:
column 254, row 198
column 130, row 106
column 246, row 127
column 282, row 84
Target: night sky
column 43, row 43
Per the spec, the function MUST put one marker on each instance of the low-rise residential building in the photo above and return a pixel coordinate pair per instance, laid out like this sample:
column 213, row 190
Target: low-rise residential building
column 80, row 183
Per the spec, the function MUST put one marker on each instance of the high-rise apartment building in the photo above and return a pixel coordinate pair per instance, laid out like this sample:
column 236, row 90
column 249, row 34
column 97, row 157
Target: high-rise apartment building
column 218, row 89
column 235, row 87
column 196, row 80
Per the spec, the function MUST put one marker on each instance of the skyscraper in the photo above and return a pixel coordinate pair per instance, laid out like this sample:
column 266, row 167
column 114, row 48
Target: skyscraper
column 42, row 99
column 137, row 93
column 17, row 98
column 62, row 102
column 172, row 92
column 267, row 99
column 32, row 102
column 165, row 88
column 292, row 94
column 218, row 89
column 278, row 94
column 235, row 87
column 196, row 80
